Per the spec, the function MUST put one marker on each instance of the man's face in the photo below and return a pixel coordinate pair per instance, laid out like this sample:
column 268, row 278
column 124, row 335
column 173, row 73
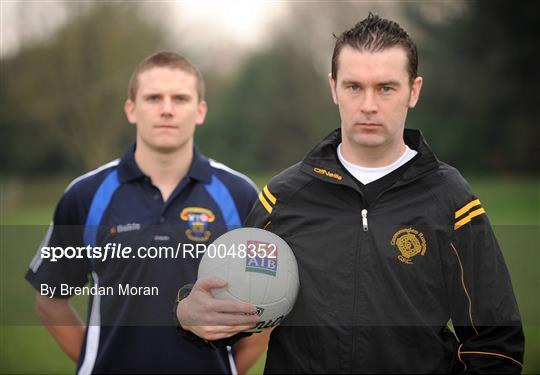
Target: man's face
column 373, row 92
column 166, row 109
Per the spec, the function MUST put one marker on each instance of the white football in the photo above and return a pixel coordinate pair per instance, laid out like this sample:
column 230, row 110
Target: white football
column 260, row 269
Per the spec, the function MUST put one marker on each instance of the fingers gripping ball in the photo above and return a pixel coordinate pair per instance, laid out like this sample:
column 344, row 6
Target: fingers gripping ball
column 260, row 269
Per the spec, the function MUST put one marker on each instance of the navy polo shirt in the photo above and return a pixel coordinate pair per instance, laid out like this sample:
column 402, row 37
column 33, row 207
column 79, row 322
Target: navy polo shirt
column 132, row 330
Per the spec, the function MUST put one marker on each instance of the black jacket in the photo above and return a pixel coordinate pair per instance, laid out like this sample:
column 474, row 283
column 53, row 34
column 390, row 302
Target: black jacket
column 376, row 293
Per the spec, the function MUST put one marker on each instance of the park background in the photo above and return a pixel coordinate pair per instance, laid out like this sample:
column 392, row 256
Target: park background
column 63, row 77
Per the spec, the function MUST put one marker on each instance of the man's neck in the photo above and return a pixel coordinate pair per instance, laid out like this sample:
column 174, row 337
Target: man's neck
column 165, row 169
column 372, row 157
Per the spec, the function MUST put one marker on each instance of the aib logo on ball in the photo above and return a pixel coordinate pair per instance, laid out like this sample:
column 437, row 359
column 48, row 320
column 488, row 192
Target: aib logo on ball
column 262, row 257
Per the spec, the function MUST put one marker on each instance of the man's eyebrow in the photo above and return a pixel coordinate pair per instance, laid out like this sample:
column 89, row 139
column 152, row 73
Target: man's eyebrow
column 389, row 83
column 178, row 95
column 382, row 83
column 350, row 82
column 182, row 95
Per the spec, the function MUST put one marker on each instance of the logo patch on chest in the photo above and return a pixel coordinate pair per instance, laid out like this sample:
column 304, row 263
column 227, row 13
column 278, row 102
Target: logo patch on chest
column 198, row 219
column 323, row 171
column 120, row 228
column 410, row 243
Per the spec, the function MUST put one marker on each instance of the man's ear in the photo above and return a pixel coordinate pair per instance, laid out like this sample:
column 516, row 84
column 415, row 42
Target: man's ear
column 332, row 84
column 416, row 87
column 202, row 110
column 129, row 110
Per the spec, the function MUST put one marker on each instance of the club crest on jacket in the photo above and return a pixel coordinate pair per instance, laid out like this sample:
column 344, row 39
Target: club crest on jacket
column 410, row 243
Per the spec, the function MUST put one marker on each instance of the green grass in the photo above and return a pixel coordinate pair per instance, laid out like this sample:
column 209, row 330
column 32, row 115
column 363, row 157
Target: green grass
column 26, row 347
column 509, row 201
column 30, row 350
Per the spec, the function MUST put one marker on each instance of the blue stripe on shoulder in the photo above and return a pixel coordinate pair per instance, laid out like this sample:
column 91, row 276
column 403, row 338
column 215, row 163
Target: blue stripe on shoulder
column 99, row 204
column 224, row 200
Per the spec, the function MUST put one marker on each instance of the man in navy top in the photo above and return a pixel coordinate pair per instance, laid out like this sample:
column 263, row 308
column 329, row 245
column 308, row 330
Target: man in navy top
column 162, row 194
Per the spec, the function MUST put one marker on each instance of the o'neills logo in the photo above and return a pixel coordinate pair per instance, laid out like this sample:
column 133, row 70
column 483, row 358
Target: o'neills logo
column 269, row 323
column 328, row 173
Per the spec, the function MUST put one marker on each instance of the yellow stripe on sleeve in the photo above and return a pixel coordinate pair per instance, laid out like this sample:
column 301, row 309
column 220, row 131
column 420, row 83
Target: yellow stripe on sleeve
column 265, row 203
column 467, row 207
column 468, row 218
column 269, row 195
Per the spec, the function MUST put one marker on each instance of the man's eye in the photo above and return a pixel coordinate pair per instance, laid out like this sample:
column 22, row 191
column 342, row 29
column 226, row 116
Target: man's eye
column 353, row 88
column 386, row 89
column 180, row 99
column 152, row 98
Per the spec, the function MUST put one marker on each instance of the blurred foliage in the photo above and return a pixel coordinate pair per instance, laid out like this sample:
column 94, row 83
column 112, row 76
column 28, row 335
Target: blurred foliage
column 272, row 112
column 61, row 100
column 479, row 105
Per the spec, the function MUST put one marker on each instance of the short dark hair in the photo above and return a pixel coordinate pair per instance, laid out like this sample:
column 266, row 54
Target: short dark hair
column 376, row 34
column 165, row 59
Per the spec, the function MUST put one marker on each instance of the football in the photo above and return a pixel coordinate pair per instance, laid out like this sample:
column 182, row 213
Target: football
column 260, row 269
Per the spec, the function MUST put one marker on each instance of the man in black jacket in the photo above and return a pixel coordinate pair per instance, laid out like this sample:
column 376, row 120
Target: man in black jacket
column 391, row 243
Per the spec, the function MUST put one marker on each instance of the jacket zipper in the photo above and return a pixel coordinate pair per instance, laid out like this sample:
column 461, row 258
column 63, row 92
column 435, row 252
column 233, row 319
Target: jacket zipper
column 365, row 229
column 357, row 286
column 364, row 220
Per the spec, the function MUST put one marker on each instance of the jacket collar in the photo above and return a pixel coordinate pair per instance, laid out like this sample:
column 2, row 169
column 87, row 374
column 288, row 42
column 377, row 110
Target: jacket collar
column 128, row 170
column 322, row 161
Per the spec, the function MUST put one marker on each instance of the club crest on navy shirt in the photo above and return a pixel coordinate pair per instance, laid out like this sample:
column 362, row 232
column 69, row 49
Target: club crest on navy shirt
column 197, row 219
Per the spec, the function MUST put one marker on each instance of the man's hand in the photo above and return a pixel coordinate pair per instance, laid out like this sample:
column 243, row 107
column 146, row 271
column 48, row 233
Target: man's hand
column 211, row 318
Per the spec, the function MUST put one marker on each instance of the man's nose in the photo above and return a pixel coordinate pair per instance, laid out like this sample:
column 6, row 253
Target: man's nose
column 369, row 102
column 167, row 107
